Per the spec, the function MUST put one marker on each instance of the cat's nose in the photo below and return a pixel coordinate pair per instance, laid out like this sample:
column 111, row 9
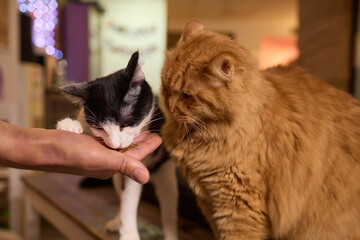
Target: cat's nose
column 113, row 144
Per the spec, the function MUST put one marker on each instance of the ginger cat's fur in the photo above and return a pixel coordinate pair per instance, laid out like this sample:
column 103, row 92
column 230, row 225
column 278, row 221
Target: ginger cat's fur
column 271, row 154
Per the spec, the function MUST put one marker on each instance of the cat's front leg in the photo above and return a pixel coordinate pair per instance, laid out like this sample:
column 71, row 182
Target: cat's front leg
column 69, row 125
column 128, row 214
column 166, row 189
column 241, row 225
column 229, row 222
column 114, row 224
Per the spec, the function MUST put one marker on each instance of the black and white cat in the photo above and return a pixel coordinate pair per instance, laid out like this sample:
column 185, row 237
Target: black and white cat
column 117, row 108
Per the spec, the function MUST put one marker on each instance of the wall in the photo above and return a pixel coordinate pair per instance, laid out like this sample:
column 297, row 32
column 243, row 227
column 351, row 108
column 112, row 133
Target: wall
column 326, row 40
column 357, row 57
column 9, row 60
column 248, row 21
column 131, row 25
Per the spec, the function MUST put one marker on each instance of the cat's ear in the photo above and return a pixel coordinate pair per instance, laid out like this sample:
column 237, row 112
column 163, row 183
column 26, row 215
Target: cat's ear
column 191, row 27
column 133, row 68
column 216, row 74
column 137, row 78
column 77, row 92
column 223, row 69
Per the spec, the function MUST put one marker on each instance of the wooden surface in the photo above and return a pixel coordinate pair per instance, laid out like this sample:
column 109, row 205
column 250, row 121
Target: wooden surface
column 89, row 209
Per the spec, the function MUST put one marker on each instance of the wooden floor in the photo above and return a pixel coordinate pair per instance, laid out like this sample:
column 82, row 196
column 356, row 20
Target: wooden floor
column 91, row 208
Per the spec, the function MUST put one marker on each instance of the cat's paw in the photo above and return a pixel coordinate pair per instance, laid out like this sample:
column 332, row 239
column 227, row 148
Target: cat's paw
column 69, row 125
column 113, row 225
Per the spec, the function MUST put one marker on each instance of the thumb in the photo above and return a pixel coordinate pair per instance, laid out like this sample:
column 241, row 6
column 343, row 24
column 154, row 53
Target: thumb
column 133, row 168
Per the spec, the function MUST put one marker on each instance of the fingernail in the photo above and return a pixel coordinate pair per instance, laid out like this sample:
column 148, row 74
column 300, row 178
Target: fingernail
column 140, row 176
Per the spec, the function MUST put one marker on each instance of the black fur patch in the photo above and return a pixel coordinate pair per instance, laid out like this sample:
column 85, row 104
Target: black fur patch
column 122, row 97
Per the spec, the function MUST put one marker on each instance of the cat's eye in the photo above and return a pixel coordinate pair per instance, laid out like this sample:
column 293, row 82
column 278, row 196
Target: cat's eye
column 98, row 128
column 186, row 96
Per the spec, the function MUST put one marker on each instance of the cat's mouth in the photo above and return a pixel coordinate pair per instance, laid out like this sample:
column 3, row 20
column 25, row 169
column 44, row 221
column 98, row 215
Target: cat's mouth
column 101, row 141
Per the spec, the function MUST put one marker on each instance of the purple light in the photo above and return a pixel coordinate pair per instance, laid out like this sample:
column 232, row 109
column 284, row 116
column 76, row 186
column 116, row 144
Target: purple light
column 50, row 50
column 31, row 7
column 50, row 34
column 38, row 4
column 36, row 28
column 38, row 13
column 50, row 26
column 50, row 42
column 44, row 24
column 23, row 8
column 53, row 5
column 38, row 22
column 44, row 8
column 39, row 42
column 46, row 17
column 58, row 54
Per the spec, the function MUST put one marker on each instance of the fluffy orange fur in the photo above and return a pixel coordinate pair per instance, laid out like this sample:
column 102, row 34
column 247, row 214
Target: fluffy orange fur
column 269, row 154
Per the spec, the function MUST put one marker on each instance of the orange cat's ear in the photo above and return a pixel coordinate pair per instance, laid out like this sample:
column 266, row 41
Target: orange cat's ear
column 223, row 69
column 190, row 28
column 216, row 74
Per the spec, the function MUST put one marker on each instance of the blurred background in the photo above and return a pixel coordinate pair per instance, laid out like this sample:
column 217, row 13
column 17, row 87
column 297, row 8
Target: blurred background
column 45, row 44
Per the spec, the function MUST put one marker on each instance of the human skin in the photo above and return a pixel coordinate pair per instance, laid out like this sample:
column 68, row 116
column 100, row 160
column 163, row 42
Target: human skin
column 67, row 152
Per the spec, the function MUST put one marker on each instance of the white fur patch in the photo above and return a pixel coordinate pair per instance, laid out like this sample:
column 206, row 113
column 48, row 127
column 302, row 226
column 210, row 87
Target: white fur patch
column 128, row 215
column 69, row 125
column 116, row 138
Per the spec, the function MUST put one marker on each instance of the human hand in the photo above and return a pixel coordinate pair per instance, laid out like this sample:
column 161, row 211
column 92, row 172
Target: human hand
column 79, row 154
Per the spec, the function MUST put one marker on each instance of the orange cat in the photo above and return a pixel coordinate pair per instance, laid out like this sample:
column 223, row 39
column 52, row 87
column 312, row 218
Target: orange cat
column 269, row 154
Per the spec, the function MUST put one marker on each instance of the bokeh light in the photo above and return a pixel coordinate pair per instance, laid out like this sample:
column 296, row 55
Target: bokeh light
column 45, row 14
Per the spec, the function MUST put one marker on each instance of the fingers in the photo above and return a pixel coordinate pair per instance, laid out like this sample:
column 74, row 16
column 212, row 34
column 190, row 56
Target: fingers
column 146, row 143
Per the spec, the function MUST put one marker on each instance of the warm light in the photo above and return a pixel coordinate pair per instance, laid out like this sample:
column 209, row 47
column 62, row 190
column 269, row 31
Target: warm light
column 277, row 50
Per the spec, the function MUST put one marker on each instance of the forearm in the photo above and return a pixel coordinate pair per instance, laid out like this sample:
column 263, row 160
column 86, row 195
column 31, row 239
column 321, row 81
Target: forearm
column 21, row 148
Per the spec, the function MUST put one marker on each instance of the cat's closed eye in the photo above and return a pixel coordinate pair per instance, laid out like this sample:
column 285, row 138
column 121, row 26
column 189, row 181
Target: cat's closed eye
column 186, row 96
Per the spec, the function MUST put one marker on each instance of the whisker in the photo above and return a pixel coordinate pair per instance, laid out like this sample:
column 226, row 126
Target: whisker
column 90, row 111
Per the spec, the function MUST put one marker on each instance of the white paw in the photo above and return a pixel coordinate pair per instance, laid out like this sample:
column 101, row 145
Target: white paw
column 126, row 235
column 69, row 125
column 113, row 225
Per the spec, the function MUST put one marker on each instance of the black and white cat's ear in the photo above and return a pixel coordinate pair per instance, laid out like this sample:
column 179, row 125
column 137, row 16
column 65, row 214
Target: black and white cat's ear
column 137, row 77
column 77, row 92
column 133, row 68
